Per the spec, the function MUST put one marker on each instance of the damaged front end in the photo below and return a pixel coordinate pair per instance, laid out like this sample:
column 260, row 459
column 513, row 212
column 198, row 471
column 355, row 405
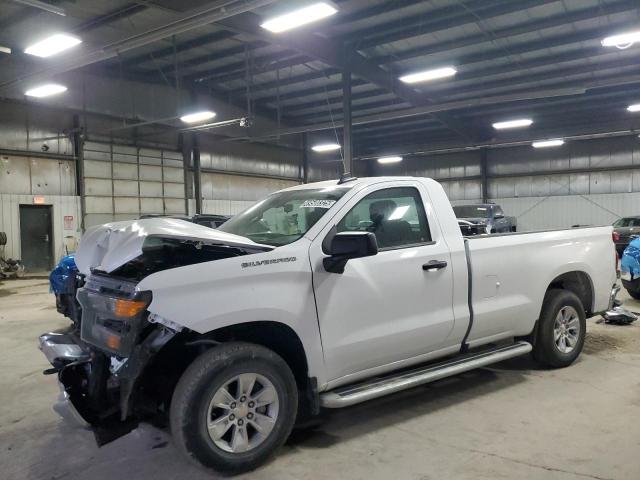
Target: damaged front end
column 107, row 362
column 100, row 364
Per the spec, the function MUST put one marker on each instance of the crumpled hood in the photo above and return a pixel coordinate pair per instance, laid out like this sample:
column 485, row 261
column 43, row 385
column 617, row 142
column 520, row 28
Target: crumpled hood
column 109, row 246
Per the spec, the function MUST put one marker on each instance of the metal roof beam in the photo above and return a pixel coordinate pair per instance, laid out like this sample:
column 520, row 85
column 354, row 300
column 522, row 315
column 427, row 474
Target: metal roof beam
column 214, row 11
column 556, row 41
column 180, row 48
column 326, row 50
column 529, row 27
column 430, row 109
column 450, row 17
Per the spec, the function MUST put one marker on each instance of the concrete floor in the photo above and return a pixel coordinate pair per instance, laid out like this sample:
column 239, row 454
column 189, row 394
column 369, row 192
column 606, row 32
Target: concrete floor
column 510, row 421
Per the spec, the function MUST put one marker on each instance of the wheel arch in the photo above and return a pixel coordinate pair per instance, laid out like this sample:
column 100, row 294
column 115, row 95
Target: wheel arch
column 578, row 282
column 169, row 363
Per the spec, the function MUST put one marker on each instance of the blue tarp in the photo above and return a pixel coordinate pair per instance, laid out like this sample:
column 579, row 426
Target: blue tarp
column 631, row 259
column 62, row 278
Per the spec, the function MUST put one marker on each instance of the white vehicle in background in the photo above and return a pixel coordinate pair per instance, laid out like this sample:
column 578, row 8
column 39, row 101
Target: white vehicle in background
column 320, row 295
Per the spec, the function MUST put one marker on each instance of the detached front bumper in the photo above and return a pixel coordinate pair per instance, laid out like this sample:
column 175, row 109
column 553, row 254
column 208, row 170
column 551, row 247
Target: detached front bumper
column 67, row 410
column 64, row 350
column 97, row 388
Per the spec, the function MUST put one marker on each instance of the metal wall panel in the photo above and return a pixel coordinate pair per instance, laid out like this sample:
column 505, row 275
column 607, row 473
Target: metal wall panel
column 28, row 175
column 32, row 127
column 534, row 213
column 124, row 182
column 251, row 158
column 14, row 175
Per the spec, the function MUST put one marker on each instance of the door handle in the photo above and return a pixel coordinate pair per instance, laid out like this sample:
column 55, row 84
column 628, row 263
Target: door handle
column 434, row 265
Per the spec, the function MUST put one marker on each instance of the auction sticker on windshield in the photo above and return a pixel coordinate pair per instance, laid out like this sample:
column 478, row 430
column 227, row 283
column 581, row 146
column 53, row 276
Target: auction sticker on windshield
column 317, row 204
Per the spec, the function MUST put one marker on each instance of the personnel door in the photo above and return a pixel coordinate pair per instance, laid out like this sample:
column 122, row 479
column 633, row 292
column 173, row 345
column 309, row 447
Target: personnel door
column 36, row 237
column 388, row 307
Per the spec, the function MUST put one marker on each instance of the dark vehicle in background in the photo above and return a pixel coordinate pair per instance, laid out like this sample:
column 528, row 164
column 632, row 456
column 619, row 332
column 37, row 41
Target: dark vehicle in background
column 625, row 230
column 483, row 218
column 208, row 220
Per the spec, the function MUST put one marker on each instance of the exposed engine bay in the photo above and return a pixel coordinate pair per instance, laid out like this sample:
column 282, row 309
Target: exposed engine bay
column 107, row 361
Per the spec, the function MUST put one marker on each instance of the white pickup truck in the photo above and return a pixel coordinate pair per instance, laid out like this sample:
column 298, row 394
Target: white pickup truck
column 320, row 295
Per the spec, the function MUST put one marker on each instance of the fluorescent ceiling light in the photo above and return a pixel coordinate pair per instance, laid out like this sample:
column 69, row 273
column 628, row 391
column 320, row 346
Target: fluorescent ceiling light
column 428, row 75
column 556, row 142
column 622, row 41
column 522, row 122
column 198, row 116
column 297, row 18
column 45, row 90
column 389, row 159
column 326, row 147
column 52, row 45
column 634, row 107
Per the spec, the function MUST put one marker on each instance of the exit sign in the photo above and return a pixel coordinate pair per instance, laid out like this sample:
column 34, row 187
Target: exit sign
column 38, row 200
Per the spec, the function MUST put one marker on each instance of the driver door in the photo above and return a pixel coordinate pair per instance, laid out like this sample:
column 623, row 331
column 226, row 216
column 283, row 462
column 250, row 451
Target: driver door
column 384, row 308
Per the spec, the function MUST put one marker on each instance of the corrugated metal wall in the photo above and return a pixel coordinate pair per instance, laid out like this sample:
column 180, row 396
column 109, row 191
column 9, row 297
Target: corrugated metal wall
column 226, row 191
column 22, row 178
column 123, row 182
column 569, row 194
column 543, row 188
column 449, row 170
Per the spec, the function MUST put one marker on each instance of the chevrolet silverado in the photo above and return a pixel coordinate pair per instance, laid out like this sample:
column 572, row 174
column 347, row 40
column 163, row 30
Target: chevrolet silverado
column 321, row 295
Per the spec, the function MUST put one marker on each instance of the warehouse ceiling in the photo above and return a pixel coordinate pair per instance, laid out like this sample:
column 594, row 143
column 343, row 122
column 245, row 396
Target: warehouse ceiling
column 536, row 59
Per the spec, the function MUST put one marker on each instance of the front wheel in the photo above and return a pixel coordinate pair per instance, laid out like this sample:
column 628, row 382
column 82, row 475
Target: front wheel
column 561, row 329
column 234, row 406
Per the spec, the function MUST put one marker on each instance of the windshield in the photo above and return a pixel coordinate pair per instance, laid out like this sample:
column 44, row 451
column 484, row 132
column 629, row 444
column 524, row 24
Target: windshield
column 471, row 211
column 284, row 217
column 627, row 222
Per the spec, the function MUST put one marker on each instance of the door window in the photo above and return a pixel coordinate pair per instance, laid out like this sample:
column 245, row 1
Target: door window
column 395, row 215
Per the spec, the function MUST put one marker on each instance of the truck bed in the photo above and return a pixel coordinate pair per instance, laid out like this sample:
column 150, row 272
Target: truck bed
column 510, row 273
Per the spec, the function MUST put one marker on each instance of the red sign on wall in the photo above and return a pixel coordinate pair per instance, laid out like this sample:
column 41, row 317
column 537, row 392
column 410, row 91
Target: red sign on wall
column 68, row 222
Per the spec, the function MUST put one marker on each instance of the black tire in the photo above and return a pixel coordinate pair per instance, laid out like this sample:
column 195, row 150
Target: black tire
column 203, row 378
column 545, row 350
column 634, row 294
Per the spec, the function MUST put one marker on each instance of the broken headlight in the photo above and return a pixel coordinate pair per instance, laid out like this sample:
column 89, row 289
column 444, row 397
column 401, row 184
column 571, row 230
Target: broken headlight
column 113, row 323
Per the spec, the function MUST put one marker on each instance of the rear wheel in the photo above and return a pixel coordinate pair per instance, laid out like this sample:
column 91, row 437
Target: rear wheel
column 633, row 288
column 234, row 406
column 634, row 294
column 561, row 329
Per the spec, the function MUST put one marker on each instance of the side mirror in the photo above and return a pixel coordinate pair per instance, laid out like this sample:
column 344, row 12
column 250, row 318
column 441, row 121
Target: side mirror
column 347, row 245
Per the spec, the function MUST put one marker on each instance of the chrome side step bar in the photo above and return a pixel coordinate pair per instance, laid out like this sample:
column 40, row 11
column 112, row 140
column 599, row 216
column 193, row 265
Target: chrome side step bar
column 379, row 387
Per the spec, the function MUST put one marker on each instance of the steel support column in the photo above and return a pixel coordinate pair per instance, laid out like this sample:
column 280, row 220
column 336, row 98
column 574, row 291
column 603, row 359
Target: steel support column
column 77, row 139
column 305, row 158
column 197, row 181
column 347, row 142
column 483, row 175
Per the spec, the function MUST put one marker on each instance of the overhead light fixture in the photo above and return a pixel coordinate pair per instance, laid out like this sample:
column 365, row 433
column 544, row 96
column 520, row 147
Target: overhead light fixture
column 519, row 123
column 198, row 116
column 326, row 147
column 51, row 45
column 297, row 18
column 428, row 75
column 556, row 142
column 45, row 90
column 622, row 41
column 634, row 108
column 385, row 160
